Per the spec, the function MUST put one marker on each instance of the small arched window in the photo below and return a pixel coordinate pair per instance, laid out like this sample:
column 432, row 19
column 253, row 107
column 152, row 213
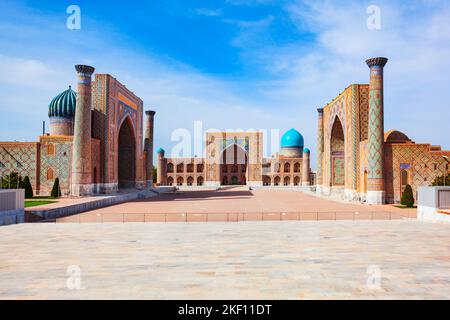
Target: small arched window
column 51, row 150
column 50, row 174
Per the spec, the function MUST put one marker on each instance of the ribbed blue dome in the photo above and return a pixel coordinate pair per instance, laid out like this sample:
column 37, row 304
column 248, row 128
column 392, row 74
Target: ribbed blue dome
column 292, row 139
column 63, row 105
column 306, row 150
column 160, row 150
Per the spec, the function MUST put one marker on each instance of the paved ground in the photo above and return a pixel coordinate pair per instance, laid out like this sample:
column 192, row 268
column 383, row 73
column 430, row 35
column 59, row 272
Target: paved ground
column 259, row 260
column 227, row 204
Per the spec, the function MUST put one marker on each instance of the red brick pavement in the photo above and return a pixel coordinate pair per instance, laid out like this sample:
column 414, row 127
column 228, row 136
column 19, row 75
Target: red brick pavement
column 238, row 204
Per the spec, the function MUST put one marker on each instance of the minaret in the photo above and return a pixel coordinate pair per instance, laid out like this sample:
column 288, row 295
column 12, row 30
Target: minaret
column 81, row 183
column 320, row 147
column 376, row 183
column 305, row 167
column 148, row 146
column 161, row 171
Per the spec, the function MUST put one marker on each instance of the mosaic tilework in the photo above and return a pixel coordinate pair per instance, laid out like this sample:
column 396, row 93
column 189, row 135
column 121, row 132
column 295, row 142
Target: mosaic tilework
column 320, row 147
column 355, row 133
column 59, row 162
column 20, row 158
column 376, row 131
column 338, row 171
column 424, row 167
column 364, row 111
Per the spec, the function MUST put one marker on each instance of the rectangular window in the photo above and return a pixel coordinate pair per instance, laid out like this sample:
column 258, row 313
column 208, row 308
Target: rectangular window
column 51, row 150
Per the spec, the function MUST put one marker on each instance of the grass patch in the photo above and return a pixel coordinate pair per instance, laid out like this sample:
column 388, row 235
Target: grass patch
column 405, row 207
column 43, row 198
column 31, row 203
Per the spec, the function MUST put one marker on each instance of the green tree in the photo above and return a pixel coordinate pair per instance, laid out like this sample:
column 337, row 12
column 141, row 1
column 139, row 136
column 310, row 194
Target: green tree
column 11, row 181
column 439, row 181
column 408, row 197
column 28, row 188
column 56, row 191
column 155, row 175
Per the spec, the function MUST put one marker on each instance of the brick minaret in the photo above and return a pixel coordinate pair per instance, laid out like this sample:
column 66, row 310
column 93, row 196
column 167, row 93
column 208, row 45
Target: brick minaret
column 81, row 182
column 305, row 167
column 376, row 183
column 148, row 146
column 320, row 145
column 162, row 168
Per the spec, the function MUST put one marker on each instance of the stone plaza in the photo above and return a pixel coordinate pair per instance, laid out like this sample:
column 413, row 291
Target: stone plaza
column 248, row 260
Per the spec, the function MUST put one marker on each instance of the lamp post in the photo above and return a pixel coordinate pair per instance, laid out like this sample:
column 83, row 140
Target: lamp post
column 446, row 169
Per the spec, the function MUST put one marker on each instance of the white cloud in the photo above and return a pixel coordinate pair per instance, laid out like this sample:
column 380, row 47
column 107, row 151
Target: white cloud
column 299, row 77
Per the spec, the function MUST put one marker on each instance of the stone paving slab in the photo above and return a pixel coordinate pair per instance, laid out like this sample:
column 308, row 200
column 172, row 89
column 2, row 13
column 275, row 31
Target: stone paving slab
column 246, row 260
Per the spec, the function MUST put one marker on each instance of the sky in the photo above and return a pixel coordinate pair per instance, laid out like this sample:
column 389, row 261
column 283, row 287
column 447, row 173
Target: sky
column 232, row 64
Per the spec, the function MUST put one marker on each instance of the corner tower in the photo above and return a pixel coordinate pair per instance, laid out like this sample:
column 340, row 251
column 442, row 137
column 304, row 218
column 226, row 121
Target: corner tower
column 82, row 184
column 148, row 145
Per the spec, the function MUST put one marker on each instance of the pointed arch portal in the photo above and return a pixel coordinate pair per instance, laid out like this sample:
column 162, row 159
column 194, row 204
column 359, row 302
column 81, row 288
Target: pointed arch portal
column 127, row 155
column 337, row 154
column 233, row 166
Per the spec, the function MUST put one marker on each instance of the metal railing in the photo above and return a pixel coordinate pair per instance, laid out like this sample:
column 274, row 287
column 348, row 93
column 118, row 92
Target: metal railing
column 232, row 217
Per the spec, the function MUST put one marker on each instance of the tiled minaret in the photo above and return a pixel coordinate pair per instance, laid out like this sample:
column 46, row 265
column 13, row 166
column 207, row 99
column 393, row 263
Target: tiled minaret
column 320, row 145
column 148, row 145
column 376, row 183
column 305, row 167
column 81, row 182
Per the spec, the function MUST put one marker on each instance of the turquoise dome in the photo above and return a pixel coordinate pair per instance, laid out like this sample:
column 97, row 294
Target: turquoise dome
column 160, row 150
column 292, row 139
column 306, row 150
column 63, row 105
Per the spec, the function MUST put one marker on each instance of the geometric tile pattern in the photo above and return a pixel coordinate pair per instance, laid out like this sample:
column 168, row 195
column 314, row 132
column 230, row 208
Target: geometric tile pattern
column 320, row 147
column 59, row 162
column 424, row 166
column 376, row 131
column 364, row 111
column 21, row 158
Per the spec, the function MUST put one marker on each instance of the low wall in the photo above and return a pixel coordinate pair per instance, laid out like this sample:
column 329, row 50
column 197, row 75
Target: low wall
column 51, row 214
column 433, row 204
column 11, row 206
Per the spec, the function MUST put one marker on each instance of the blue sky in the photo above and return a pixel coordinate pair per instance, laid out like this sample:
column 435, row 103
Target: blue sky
column 234, row 64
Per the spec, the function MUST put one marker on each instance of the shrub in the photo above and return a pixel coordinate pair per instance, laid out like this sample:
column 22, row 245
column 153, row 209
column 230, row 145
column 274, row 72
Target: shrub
column 439, row 181
column 155, row 175
column 11, row 181
column 56, row 191
column 408, row 197
column 28, row 188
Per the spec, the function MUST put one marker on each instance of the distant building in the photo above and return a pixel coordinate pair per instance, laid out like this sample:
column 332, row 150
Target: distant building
column 236, row 159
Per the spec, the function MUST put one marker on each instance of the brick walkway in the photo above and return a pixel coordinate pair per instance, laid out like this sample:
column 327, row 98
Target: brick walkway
column 238, row 204
column 270, row 260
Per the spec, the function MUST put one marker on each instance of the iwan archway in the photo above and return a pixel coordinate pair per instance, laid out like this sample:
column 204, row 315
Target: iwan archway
column 233, row 166
column 337, row 153
column 127, row 155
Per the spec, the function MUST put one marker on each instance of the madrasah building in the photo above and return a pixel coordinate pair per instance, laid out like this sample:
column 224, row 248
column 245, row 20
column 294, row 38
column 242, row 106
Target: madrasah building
column 96, row 142
column 358, row 160
column 237, row 159
column 100, row 141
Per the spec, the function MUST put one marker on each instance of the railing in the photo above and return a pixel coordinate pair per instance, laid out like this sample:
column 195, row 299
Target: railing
column 232, row 217
column 444, row 199
column 11, row 199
